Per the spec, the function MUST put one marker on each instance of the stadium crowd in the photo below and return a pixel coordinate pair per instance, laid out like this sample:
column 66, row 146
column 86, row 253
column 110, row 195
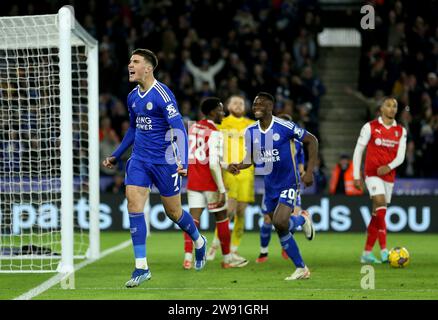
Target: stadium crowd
column 400, row 58
column 220, row 48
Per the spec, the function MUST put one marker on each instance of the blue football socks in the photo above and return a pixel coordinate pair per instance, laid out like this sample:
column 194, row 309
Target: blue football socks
column 138, row 229
column 290, row 246
column 265, row 234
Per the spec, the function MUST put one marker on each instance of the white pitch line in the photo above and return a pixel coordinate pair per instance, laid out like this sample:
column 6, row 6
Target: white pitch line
column 58, row 277
column 260, row 289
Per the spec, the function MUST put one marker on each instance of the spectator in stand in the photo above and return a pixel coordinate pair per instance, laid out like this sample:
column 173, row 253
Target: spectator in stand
column 342, row 181
column 118, row 184
column 205, row 73
column 108, row 142
column 319, row 176
column 304, row 49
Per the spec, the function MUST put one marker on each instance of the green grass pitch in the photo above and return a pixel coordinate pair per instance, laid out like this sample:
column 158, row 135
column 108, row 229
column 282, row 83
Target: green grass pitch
column 333, row 260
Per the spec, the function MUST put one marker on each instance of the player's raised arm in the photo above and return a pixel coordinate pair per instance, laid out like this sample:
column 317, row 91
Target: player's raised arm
column 362, row 141
column 127, row 141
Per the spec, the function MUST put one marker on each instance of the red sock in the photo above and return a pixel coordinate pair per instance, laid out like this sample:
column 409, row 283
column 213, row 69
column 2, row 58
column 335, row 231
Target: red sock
column 372, row 234
column 224, row 235
column 380, row 213
column 188, row 242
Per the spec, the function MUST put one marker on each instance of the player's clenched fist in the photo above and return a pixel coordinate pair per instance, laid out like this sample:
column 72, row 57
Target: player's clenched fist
column 109, row 162
column 358, row 184
column 383, row 170
column 233, row 168
column 181, row 171
column 308, row 179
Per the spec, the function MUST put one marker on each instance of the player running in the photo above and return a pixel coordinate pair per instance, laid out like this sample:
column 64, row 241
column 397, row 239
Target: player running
column 269, row 145
column 205, row 187
column 155, row 122
column 266, row 228
column 240, row 188
column 385, row 141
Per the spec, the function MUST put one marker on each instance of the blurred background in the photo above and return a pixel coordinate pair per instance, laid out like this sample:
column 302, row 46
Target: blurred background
column 324, row 70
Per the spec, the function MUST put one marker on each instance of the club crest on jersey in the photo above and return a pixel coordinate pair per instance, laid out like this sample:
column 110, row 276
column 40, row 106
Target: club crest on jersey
column 299, row 131
column 149, row 106
column 276, row 137
column 133, row 105
column 378, row 142
column 171, row 110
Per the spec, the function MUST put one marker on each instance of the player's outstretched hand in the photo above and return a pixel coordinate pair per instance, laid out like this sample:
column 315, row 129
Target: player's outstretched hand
column 109, row 162
column 308, row 179
column 383, row 170
column 358, row 184
column 233, row 168
column 181, row 171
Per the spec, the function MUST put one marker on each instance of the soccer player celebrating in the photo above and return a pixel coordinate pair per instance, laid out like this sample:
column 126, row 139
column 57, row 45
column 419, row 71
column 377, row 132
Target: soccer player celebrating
column 205, row 187
column 266, row 229
column 269, row 146
column 385, row 141
column 241, row 187
column 155, row 122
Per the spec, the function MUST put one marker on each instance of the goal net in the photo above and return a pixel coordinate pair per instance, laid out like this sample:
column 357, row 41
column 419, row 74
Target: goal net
column 49, row 171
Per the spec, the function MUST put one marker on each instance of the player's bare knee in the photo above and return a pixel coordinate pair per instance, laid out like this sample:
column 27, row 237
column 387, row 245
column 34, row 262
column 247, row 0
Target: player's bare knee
column 173, row 212
column 281, row 223
column 136, row 198
column 379, row 201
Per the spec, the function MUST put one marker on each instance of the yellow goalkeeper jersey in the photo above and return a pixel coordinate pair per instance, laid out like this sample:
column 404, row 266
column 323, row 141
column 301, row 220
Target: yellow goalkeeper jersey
column 241, row 186
column 234, row 142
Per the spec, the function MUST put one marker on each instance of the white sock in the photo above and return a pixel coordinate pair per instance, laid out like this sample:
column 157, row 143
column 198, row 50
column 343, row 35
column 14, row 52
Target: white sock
column 366, row 252
column 227, row 258
column 263, row 250
column 141, row 263
column 188, row 256
column 384, row 250
column 215, row 242
column 234, row 249
column 199, row 243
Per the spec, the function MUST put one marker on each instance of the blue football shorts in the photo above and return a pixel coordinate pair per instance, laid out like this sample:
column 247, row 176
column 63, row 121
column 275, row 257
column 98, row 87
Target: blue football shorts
column 143, row 174
column 290, row 197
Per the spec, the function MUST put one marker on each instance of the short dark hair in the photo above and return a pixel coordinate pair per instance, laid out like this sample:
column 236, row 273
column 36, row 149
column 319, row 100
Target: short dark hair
column 209, row 104
column 148, row 55
column 266, row 96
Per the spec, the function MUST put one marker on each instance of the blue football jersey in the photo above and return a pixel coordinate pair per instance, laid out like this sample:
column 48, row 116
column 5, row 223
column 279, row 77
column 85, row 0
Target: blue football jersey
column 273, row 152
column 150, row 113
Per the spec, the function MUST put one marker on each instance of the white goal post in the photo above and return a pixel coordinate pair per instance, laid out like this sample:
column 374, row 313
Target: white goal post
column 49, row 143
